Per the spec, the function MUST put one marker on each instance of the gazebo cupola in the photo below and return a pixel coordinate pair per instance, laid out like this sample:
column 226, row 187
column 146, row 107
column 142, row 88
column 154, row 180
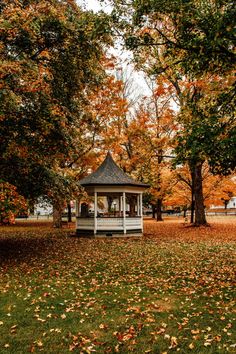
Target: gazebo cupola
column 116, row 203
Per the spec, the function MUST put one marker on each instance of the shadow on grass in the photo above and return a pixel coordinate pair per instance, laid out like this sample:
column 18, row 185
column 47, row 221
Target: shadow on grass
column 24, row 249
column 23, row 242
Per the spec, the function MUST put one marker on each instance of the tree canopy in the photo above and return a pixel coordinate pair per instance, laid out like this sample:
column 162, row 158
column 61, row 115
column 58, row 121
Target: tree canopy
column 193, row 39
column 58, row 100
column 199, row 33
column 192, row 45
column 51, row 58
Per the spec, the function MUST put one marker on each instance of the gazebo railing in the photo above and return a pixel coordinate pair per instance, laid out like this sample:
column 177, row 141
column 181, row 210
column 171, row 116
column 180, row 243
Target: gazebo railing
column 110, row 223
column 84, row 223
column 133, row 223
column 109, row 215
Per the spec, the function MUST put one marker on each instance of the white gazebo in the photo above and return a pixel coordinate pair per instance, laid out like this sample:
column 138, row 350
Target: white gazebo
column 115, row 207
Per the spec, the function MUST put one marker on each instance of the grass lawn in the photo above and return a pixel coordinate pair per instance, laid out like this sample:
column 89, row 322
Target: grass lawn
column 171, row 291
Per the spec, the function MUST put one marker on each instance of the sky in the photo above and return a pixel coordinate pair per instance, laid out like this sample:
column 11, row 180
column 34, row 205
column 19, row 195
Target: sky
column 123, row 55
column 94, row 5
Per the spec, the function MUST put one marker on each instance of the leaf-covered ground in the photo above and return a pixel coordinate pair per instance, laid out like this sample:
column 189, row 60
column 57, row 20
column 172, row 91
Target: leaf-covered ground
column 171, row 291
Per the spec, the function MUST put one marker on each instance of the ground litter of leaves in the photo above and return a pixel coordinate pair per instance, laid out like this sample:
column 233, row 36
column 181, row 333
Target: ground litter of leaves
column 172, row 290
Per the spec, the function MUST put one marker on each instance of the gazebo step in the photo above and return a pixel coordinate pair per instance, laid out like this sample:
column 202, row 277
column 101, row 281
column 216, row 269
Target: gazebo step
column 110, row 233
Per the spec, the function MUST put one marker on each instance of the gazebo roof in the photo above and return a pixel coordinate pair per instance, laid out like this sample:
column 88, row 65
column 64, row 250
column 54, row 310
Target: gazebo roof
column 108, row 173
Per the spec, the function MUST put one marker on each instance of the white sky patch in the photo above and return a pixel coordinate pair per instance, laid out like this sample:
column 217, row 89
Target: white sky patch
column 94, row 5
column 122, row 55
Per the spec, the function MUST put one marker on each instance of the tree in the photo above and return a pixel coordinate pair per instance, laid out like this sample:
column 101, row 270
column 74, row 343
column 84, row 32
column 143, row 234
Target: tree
column 52, row 56
column 115, row 136
column 11, row 203
column 151, row 132
column 176, row 40
column 144, row 129
column 199, row 34
column 200, row 131
column 217, row 190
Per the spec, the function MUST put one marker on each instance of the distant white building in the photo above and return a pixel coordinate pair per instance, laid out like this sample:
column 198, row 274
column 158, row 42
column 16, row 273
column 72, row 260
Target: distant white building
column 231, row 204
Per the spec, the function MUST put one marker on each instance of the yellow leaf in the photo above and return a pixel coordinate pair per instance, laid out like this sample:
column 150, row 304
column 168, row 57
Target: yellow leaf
column 102, row 326
column 191, row 346
column 207, row 344
column 39, row 343
column 173, row 342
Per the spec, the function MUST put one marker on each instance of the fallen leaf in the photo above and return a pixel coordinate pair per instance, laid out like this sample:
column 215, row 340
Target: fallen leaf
column 191, row 346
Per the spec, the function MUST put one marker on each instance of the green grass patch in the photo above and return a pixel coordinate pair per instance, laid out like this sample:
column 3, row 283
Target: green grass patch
column 60, row 294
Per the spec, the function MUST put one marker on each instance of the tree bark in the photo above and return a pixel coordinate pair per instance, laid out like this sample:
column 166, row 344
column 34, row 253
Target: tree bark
column 192, row 196
column 185, row 212
column 57, row 215
column 200, row 217
column 226, row 202
column 153, row 211
column 158, row 209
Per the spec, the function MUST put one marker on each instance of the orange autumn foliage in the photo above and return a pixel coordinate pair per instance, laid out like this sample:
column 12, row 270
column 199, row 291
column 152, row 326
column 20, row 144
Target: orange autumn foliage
column 217, row 190
column 11, row 203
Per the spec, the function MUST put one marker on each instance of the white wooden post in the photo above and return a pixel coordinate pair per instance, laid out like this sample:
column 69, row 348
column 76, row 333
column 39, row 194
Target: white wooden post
column 124, row 213
column 141, row 209
column 95, row 212
column 138, row 205
column 120, row 199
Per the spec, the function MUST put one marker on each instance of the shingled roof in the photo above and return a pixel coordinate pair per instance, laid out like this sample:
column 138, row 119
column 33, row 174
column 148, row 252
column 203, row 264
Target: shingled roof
column 108, row 173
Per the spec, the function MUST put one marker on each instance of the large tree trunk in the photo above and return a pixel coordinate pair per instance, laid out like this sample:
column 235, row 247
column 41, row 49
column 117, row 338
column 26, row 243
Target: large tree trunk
column 159, row 200
column 57, row 215
column 200, row 217
column 153, row 211
column 158, row 209
column 192, row 196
